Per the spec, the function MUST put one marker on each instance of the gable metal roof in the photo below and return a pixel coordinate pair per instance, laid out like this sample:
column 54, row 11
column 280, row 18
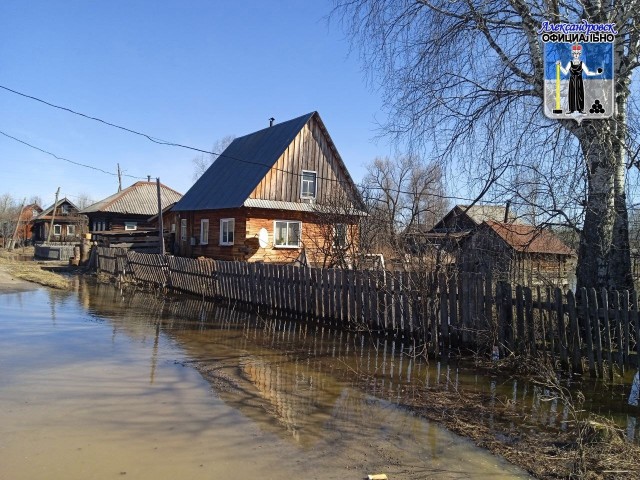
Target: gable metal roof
column 141, row 198
column 47, row 211
column 238, row 170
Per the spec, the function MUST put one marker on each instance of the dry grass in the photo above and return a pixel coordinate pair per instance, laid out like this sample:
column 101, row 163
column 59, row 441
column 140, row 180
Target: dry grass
column 31, row 271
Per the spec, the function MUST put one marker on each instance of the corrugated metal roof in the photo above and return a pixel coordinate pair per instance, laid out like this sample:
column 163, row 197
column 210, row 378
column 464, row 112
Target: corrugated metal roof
column 482, row 213
column 238, row 170
column 295, row 206
column 530, row 239
column 141, row 198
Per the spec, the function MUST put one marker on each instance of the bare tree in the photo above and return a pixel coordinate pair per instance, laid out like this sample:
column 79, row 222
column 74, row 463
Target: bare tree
column 466, row 80
column 84, row 200
column 35, row 200
column 405, row 198
column 8, row 217
column 336, row 243
column 202, row 162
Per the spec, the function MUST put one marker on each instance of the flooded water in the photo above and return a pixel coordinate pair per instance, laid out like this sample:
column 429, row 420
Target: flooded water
column 96, row 384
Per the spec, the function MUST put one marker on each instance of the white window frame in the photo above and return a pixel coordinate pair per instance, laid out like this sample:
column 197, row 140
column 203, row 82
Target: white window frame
column 71, row 230
column 130, row 226
column 173, row 228
column 57, row 228
column 304, row 182
column 286, row 245
column 183, row 229
column 204, row 231
column 224, row 222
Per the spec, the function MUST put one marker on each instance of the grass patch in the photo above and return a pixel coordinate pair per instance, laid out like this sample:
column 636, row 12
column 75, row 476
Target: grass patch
column 33, row 272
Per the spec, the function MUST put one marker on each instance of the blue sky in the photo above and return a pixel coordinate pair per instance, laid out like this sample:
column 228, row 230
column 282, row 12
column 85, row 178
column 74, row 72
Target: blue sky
column 189, row 72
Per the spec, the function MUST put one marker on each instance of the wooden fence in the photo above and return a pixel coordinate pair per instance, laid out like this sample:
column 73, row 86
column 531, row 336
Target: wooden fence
column 591, row 330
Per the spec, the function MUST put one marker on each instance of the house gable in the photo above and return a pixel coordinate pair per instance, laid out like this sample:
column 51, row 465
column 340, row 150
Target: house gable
column 312, row 152
column 266, row 166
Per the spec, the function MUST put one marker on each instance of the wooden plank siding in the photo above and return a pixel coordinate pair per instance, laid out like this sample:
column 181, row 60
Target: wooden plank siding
column 311, row 151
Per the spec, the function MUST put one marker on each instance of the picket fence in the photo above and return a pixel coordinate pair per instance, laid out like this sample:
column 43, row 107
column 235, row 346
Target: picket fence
column 588, row 330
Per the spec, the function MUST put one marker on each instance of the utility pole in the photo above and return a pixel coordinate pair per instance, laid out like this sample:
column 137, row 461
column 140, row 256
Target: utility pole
column 12, row 243
column 53, row 215
column 160, row 222
column 119, row 179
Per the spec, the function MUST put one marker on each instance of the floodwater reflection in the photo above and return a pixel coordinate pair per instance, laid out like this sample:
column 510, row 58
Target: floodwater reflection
column 103, row 382
column 299, row 369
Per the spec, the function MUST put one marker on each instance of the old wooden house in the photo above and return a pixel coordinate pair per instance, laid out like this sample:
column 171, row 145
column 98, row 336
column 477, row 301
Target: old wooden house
column 276, row 195
column 519, row 254
column 130, row 210
column 59, row 223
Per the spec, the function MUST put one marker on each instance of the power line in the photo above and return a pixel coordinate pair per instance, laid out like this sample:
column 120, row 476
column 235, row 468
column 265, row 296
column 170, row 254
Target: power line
column 62, row 158
column 173, row 144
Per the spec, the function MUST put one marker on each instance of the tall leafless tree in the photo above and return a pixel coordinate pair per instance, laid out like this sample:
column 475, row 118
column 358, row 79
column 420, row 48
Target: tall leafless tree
column 202, row 162
column 405, row 198
column 465, row 79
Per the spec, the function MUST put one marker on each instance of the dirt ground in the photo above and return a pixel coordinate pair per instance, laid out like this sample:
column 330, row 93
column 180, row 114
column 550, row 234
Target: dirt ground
column 12, row 269
column 590, row 448
column 10, row 284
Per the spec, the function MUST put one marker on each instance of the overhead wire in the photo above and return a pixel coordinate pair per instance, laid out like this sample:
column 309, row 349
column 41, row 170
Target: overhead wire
column 208, row 152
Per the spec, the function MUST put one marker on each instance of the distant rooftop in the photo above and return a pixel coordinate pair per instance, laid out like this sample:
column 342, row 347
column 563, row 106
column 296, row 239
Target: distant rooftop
column 141, row 198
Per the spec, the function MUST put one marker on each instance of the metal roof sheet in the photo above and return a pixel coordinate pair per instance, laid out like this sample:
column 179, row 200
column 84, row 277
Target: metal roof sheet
column 238, row 170
column 530, row 239
column 141, row 198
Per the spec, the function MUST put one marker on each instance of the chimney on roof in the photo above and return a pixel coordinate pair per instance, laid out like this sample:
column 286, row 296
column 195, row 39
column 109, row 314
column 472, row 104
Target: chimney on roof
column 271, row 120
column 148, row 178
column 506, row 212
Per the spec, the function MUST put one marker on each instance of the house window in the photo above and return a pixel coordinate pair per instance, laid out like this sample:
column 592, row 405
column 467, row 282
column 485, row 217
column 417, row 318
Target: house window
column 173, row 228
column 204, row 231
column 34, row 213
column 71, row 230
column 64, row 209
column 183, row 229
column 340, row 235
column 57, row 230
column 287, row 233
column 308, row 187
column 99, row 226
column 130, row 225
column 227, row 226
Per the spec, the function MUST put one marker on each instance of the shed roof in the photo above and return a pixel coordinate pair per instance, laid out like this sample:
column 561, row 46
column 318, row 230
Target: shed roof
column 141, row 198
column 529, row 239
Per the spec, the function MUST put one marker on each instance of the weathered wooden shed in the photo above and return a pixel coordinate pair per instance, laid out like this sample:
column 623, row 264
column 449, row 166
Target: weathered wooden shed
column 518, row 253
column 273, row 195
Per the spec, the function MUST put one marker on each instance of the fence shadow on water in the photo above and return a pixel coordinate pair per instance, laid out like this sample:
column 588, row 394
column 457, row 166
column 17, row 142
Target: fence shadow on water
column 594, row 331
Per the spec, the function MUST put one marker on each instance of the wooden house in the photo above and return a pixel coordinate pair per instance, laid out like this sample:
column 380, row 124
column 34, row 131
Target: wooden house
column 440, row 246
column 519, row 254
column 27, row 216
column 63, row 220
column 130, row 210
column 276, row 195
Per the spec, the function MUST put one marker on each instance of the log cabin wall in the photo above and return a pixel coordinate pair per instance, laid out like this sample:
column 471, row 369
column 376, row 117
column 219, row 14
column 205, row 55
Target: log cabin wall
column 315, row 235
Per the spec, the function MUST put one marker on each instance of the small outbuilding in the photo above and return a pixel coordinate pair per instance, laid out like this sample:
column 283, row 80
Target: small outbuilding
column 518, row 253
